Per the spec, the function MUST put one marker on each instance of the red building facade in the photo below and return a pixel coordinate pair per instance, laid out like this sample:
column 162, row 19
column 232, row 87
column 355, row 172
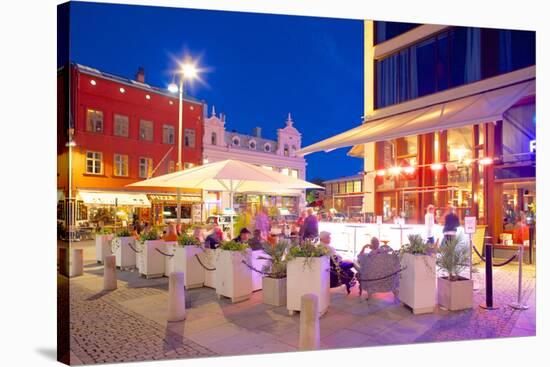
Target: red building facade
column 122, row 131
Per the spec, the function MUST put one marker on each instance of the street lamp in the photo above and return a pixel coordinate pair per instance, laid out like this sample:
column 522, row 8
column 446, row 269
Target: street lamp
column 188, row 71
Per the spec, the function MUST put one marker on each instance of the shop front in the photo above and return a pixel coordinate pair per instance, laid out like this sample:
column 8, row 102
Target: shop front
column 274, row 204
column 164, row 208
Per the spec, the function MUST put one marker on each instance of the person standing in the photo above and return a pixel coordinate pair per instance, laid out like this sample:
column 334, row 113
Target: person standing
column 262, row 223
column 310, row 228
column 451, row 223
column 429, row 222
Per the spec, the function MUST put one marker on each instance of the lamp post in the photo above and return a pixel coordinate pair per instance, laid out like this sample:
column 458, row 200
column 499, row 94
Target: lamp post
column 188, row 71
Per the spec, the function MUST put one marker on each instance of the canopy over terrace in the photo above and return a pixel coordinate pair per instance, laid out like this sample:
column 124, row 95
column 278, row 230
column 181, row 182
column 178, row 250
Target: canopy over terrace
column 230, row 175
column 473, row 109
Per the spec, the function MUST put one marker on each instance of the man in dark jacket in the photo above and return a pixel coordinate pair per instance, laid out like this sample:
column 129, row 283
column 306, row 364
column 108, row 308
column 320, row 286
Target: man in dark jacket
column 310, row 228
column 243, row 236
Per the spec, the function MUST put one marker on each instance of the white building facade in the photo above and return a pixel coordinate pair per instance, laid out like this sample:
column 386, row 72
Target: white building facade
column 277, row 155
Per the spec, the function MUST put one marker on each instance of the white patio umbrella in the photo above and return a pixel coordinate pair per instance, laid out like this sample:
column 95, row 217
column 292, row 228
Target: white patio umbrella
column 231, row 176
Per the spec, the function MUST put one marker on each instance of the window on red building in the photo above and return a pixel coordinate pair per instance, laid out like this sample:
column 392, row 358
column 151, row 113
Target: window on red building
column 145, row 167
column 189, row 138
column 168, row 134
column 94, row 163
column 120, row 165
column 146, row 130
column 121, row 126
column 94, row 121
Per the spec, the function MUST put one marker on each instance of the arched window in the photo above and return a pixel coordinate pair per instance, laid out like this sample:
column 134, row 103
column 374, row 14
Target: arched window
column 267, row 148
column 236, row 141
column 286, row 153
column 252, row 144
column 214, row 139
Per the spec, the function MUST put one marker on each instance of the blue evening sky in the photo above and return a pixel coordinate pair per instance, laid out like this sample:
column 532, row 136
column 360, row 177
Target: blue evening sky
column 260, row 66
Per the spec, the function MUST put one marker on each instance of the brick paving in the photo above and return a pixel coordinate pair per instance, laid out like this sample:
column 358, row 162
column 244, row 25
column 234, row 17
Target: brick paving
column 129, row 324
column 102, row 331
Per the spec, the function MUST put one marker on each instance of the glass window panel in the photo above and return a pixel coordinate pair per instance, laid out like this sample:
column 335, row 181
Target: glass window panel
column 189, row 138
column 146, row 130
column 357, row 186
column 121, row 127
column 423, row 68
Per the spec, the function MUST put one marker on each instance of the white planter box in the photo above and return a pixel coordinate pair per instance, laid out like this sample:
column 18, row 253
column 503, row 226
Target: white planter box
column 185, row 261
column 259, row 265
column 124, row 255
column 169, row 248
column 233, row 278
column 274, row 291
column 417, row 284
column 457, row 295
column 102, row 246
column 308, row 277
column 152, row 262
column 208, row 259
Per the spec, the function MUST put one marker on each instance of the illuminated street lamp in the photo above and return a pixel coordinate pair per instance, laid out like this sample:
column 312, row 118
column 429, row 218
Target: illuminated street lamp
column 189, row 71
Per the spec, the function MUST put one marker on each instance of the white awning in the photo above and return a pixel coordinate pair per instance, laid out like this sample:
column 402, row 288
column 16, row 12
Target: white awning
column 478, row 108
column 112, row 198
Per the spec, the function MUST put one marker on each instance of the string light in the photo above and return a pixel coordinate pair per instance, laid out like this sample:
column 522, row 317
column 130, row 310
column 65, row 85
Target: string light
column 486, row 161
column 409, row 170
column 381, row 173
column 436, row 166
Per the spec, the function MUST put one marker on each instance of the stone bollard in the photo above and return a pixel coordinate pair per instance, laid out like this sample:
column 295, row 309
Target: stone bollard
column 109, row 273
column 77, row 262
column 63, row 259
column 310, row 337
column 176, row 297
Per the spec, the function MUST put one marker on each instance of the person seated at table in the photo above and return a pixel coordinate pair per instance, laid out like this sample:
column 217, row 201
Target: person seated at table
column 243, row 237
column 340, row 270
column 213, row 239
column 256, row 242
column 198, row 234
column 374, row 247
column 171, row 234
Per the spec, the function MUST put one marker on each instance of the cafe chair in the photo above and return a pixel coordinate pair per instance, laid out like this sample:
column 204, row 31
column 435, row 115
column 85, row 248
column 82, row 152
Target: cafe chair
column 379, row 273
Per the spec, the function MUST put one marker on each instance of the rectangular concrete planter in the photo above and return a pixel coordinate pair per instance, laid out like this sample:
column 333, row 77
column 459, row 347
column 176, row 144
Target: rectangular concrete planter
column 258, row 264
column 208, row 260
column 233, row 278
column 456, row 295
column 152, row 262
column 417, row 284
column 169, row 249
column 274, row 291
column 102, row 246
column 124, row 255
column 185, row 261
column 308, row 277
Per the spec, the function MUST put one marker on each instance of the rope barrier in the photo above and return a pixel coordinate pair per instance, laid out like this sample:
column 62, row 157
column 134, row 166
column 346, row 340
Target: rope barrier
column 133, row 249
column 384, row 277
column 164, row 253
column 256, row 270
column 505, row 262
column 204, row 266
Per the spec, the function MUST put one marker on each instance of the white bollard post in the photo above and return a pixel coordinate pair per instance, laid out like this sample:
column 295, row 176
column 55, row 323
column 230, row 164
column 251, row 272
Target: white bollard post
column 519, row 305
column 109, row 273
column 63, row 259
column 176, row 297
column 77, row 262
column 310, row 336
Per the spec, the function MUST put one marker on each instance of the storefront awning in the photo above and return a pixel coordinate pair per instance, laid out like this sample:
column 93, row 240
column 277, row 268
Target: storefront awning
column 114, row 198
column 474, row 109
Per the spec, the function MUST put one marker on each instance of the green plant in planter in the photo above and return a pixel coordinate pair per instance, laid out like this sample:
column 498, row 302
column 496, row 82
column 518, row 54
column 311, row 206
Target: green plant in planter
column 307, row 250
column 276, row 268
column 185, row 240
column 105, row 230
column 124, row 232
column 152, row 235
column 453, row 258
column 416, row 246
column 234, row 246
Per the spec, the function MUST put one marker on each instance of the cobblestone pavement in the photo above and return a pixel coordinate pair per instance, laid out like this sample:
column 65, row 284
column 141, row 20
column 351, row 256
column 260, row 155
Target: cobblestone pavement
column 129, row 323
column 103, row 331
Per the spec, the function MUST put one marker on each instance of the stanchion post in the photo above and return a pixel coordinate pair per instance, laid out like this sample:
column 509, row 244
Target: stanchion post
column 77, row 262
column 519, row 305
column 176, row 297
column 310, row 337
column 63, row 259
column 488, row 305
column 109, row 273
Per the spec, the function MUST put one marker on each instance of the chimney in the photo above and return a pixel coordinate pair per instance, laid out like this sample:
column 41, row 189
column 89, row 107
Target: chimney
column 257, row 132
column 140, row 75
